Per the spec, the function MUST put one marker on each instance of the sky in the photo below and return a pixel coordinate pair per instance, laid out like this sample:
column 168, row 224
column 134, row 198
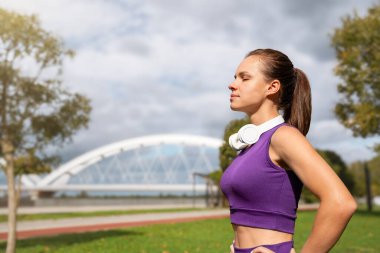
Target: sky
column 159, row 67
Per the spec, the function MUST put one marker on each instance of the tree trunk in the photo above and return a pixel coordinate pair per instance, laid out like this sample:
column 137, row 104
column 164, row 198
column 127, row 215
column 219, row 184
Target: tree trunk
column 18, row 191
column 12, row 204
column 368, row 187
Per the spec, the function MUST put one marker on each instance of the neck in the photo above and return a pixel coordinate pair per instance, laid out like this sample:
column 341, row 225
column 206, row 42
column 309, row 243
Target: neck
column 259, row 118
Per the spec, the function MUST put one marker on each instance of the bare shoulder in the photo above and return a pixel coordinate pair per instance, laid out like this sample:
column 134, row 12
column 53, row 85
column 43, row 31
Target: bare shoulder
column 287, row 135
column 287, row 141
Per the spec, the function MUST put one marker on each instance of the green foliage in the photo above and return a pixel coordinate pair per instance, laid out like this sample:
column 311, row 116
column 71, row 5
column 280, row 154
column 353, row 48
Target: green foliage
column 307, row 196
column 36, row 111
column 376, row 148
column 357, row 47
column 216, row 176
column 32, row 164
column 374, row 168
column 226, row 153
column 357, row 169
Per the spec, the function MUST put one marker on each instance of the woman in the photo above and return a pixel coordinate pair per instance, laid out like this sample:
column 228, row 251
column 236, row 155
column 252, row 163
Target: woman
column 264, row 182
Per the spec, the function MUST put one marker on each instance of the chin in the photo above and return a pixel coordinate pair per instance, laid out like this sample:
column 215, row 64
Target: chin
column 234, row 109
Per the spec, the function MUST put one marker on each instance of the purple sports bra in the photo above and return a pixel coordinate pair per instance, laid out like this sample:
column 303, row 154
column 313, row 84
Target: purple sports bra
column 260, row 193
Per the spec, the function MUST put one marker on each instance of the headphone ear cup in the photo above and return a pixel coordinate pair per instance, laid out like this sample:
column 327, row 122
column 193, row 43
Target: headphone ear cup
column 236, row 143
column 249, row 134
column 233, row 140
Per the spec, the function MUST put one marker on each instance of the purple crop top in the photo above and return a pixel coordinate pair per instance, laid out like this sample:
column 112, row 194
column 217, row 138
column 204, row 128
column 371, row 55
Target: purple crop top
column 260, row 193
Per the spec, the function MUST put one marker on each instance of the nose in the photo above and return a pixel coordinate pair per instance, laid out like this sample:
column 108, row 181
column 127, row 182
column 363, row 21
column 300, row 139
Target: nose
column 232, row 86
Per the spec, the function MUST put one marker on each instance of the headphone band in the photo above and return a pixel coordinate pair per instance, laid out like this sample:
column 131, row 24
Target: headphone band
column 250, row 133
column 269, row 124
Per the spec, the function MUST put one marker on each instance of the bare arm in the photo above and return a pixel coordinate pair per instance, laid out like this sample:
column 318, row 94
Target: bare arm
column 336, row 203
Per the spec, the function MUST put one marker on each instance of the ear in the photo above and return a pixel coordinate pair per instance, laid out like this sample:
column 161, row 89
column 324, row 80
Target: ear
column 273, row 87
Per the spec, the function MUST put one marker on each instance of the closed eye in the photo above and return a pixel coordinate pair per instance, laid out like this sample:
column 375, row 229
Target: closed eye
column 244, row 75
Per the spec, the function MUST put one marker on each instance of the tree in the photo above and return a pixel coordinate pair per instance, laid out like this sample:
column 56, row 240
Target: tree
column 357, row 169
column 357, row 45
column 374, row 167
column 36, row 112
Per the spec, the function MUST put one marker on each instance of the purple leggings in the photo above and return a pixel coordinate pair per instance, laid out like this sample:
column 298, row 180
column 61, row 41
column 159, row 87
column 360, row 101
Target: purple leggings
column 283, row 247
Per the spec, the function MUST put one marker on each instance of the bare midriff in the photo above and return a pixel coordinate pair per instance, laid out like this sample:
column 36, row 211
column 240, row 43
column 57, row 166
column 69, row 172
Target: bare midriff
column 247, row 237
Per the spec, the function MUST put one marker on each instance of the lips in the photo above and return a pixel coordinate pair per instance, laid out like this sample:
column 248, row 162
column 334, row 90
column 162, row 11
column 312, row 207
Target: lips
column 232, row 97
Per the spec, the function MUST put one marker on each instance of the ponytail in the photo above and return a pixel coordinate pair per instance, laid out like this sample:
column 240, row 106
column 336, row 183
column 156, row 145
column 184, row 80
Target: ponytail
column 298, row 112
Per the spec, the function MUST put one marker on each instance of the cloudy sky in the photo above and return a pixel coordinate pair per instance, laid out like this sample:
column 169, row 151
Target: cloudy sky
column 154, row 67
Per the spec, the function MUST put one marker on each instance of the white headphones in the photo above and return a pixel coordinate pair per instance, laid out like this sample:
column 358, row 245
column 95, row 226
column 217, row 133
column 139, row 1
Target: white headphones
column 250, row 133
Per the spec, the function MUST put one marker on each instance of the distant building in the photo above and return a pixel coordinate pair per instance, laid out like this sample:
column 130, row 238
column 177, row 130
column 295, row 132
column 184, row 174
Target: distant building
column 150, row 165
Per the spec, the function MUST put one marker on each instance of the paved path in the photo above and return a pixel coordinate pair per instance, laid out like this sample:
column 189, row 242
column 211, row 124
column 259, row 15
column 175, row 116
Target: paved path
column 27, row 229
column 79, row 209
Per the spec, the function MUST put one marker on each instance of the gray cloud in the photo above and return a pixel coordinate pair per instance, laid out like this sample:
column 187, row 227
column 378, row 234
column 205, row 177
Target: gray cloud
column 155, row 67
column 314, row 22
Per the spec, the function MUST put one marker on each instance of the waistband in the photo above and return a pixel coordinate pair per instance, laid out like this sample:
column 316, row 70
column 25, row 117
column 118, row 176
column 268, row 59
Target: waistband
column 283, row 247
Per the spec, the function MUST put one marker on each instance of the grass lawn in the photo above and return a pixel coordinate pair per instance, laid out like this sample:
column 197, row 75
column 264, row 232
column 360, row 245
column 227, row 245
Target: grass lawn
column 207, row 236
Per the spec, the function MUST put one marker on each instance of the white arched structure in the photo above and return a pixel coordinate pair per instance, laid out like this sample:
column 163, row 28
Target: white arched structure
column 60, row 178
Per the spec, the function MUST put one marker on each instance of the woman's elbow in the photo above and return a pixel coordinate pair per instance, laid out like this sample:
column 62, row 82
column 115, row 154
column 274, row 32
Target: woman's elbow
column 352, row 205
column 343, row 205
column 347, row 207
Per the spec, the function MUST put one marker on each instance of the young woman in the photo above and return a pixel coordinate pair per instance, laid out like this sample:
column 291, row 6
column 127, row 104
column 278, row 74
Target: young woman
column 264, row 182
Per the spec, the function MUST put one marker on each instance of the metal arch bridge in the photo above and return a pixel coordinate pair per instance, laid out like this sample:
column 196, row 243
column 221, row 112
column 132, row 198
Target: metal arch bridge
column 58, row 179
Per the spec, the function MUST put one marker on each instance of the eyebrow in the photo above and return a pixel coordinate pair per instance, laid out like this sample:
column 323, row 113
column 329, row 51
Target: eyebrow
column 242, row 74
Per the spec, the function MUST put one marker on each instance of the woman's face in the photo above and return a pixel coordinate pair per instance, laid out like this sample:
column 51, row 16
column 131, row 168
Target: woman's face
column 249, row 89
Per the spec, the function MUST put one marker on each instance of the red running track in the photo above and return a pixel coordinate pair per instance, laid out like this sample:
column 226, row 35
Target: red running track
column 97, row 227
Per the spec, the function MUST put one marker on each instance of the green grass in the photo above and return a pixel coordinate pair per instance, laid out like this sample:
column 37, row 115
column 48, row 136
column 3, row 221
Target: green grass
column 361, row 234
column 44, row 216
column 210, row 236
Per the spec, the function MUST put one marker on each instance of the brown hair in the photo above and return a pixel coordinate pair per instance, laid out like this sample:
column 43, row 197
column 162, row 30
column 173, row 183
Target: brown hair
column 295, row 94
